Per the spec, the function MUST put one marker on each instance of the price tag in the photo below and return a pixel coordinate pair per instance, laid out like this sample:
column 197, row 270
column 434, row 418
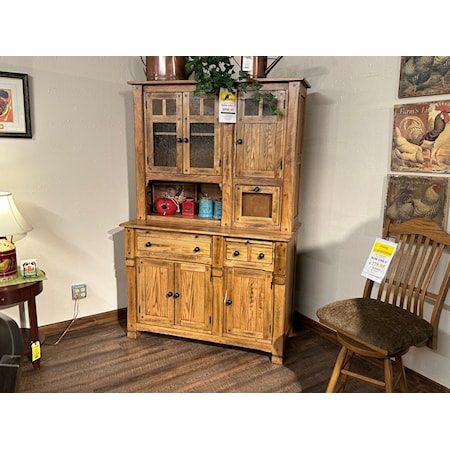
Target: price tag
column 35, row 351
column 379, row 260
column 227, row 106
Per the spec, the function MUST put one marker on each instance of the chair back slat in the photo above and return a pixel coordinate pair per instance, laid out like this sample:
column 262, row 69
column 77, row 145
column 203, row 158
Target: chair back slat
column 421, row 244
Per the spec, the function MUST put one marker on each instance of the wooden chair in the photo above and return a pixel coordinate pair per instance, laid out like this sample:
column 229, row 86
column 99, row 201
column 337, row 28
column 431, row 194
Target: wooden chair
column 396, row 314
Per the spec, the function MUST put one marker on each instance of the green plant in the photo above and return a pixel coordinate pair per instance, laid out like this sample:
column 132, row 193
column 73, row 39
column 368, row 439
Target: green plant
column 215, row 72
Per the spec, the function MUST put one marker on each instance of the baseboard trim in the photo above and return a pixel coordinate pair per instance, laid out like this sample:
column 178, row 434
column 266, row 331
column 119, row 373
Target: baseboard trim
column 85, row 322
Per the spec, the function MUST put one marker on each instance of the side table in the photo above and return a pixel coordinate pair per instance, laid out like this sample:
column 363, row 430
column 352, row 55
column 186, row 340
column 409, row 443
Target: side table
column 18, row 294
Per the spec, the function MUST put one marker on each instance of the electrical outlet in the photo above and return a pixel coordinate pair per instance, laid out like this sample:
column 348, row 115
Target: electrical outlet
column 79, row 291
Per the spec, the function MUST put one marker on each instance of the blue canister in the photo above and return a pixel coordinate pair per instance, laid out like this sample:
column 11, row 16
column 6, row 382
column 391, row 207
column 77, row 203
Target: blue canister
column 218, row 209
column 205, row 207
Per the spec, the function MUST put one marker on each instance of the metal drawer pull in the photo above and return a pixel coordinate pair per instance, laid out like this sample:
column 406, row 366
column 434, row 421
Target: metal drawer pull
column 148, row 244
column 236, row 253
column 257, row 189
column 176, row 295
column 170, row 294
column 229, row 302
column 261, row 256
column 196, row 249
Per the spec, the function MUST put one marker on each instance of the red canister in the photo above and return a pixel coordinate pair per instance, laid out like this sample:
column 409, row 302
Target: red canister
column 166, row 206
column 188, row 207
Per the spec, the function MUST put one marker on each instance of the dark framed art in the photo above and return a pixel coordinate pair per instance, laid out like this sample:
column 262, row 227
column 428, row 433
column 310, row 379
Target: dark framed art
column 410, row 196
column 15, row 118
column 424, row 75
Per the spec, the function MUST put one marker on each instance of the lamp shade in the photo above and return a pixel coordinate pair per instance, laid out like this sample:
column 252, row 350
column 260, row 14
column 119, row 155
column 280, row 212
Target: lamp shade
column 11, row 221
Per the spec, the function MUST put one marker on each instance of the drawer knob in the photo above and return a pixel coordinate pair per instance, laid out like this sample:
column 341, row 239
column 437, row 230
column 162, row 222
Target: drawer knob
column 239, row 141
column 196, row 249
column 257, row 189
column 148, row 244
column 229, row 302
column 236, row 253
column 170, row 294
column 261, row 256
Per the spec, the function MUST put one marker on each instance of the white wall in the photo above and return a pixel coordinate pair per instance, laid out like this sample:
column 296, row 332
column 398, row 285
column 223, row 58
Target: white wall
column 346, row 160
column 74, row 180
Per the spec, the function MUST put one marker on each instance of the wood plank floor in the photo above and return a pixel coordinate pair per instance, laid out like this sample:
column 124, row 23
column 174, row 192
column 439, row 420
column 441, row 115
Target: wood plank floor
column 100, row 358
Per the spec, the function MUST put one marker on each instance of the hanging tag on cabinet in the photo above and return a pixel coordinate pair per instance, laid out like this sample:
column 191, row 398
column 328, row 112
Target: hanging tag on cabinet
column 227, row 106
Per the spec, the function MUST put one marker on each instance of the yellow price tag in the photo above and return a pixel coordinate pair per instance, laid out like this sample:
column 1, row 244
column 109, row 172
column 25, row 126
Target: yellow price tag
column 35, row 351
column 383, row 248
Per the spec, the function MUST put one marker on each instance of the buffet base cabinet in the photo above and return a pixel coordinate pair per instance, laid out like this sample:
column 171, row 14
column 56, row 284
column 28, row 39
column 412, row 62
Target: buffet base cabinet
column 211, row 286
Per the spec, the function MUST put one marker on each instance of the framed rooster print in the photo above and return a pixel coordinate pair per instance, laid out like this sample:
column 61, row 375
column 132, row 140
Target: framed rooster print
column 421, row 137
column 424, row 75
column 15, row 120
column 411, row 196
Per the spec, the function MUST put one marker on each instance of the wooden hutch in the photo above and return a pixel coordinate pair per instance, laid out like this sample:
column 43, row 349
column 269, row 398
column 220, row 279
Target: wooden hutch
column 227, row 279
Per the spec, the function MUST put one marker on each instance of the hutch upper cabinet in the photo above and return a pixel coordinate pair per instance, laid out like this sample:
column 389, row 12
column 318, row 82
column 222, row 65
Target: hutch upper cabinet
column 226, row 277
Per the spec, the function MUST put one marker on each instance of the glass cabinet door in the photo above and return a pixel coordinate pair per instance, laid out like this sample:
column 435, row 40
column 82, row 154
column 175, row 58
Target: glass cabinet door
column 181, row 133
column 164, row 132
column 201, row 150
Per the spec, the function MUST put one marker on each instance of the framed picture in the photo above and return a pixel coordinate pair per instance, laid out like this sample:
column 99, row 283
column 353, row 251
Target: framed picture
column 421, row 137
column 417, row 196
column 15, row 120
column 424, row 75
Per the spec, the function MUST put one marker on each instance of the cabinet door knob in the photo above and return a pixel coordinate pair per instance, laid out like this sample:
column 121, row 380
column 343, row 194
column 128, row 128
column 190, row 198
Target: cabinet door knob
column 148, row 244
column 239, row 141
column 261, row 256
column 229, row 302
column 176, row 295
column 179, row 140
column 236, row 253
column 257, row 189
column 185, row 140
column 170, row 294
column 196, row 249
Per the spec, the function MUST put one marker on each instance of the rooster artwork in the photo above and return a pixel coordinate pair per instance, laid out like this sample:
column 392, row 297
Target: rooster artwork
column 411, row 196
column 424, row 75
column 421, row 137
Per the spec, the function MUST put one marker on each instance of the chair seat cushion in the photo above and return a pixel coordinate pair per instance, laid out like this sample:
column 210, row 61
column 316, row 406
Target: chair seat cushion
column 386, row 326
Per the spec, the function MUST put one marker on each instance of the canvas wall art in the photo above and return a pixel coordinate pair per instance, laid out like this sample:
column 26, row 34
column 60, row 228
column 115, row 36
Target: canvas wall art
column 424, row 75
column 411, row 196
column 421, row 137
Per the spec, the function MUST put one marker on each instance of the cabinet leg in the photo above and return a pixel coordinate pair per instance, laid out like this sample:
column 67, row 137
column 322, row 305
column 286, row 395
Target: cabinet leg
column 277, row 359
column 133, row 334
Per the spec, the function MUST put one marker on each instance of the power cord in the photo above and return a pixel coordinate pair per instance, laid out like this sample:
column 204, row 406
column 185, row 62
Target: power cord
column 75, row 315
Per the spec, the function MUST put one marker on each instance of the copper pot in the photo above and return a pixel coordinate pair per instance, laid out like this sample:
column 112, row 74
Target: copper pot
column 163, row 68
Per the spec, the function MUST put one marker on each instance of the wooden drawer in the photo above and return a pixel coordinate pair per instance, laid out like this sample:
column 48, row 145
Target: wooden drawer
column 177, row 246
column 247, row 253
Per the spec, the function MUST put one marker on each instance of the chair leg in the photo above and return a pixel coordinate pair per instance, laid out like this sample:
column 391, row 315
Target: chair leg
column 402, row 375
column 388, row 375
column 337, row 370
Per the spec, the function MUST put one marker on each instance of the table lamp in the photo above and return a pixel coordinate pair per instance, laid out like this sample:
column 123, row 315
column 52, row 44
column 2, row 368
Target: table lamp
column 11, row 223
